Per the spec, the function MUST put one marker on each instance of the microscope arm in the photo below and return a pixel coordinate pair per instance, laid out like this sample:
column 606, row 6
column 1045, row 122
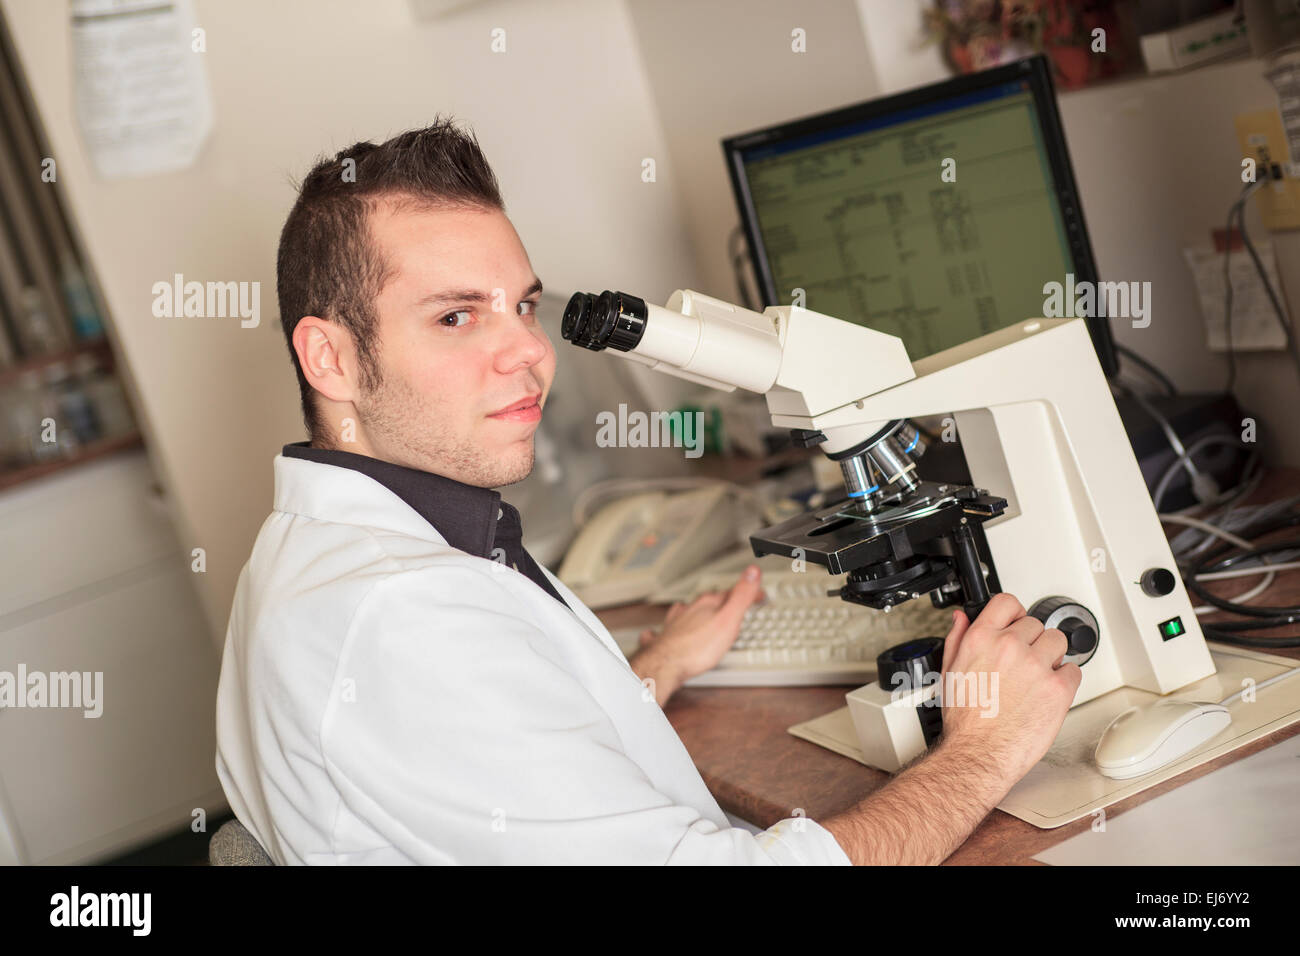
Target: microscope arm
column 805, row 363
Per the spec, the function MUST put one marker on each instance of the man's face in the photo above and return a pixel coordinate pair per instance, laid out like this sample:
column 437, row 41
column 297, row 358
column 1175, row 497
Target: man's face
column 452, row 368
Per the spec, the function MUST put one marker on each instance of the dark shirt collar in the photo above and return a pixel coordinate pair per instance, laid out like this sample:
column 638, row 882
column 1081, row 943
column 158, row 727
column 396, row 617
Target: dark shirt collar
column 467, row 516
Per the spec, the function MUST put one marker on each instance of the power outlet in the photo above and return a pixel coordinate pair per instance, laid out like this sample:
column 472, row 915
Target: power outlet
column 1261, row 138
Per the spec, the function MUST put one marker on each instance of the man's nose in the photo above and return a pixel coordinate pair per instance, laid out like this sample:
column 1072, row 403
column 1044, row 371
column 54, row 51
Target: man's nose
column 520, row 343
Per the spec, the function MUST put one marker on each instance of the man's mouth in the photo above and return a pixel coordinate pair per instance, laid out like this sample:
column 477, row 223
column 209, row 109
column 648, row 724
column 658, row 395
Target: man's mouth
column 526, row 409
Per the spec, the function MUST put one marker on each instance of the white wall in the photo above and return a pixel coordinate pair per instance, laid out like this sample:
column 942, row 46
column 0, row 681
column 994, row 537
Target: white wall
column 727, row 67
column 904, row 55
column 565, row 116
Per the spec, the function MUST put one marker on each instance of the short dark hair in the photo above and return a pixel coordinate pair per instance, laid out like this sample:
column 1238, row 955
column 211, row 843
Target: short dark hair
column 328, row 263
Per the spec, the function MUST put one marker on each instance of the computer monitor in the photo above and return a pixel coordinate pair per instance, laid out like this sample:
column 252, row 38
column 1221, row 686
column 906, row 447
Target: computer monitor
column 853, row 206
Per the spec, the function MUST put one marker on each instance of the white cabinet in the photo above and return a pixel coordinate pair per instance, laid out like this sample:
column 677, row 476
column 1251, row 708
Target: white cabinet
column 93, row 580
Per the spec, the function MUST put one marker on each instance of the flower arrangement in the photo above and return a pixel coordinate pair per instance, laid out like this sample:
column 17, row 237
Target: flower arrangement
column 1085, row 40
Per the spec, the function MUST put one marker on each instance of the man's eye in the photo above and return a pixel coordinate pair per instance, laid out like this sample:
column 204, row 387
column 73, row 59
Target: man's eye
column 532, row 308
column 449, row 320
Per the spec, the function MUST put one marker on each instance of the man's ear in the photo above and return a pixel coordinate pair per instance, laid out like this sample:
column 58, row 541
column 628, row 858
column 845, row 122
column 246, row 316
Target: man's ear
column 325, row 355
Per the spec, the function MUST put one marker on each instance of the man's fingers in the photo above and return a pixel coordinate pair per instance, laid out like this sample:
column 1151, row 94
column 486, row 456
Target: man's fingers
column 744, row 593
column 1027, row 629
column 959, row 624
column 1051, row 646
column 1071, row 676
column 711, row 599
column 1000, row 612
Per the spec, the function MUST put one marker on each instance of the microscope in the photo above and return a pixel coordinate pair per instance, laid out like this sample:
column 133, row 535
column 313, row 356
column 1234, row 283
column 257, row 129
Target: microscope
column 1057, row 514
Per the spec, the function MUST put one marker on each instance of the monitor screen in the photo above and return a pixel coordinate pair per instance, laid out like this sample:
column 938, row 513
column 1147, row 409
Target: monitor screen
column 937, row 215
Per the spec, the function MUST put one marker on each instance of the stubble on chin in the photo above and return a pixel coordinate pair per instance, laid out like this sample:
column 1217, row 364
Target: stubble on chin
column 415, row 433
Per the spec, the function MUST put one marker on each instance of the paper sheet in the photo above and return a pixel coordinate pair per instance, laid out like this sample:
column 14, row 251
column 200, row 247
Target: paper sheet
column 143, row 101
column 1254, row 323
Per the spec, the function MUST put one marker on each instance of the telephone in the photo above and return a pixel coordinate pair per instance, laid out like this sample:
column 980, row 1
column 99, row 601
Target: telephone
column 634, row 546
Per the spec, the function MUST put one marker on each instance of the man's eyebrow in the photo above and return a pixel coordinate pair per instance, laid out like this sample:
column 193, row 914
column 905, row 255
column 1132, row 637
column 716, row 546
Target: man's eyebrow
column 472, row 295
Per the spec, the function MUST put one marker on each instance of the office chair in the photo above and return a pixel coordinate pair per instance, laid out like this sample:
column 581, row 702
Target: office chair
column 233, row 845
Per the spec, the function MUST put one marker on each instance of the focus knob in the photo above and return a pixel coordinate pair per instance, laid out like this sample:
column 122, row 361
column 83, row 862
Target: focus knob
column 1075, row 621
column 911, row 666
column 1082, row 638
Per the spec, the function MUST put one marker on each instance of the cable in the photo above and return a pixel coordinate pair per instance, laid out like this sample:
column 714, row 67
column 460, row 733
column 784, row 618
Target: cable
column 1247, row 572
column 1232, row 497
column 1217, row 564
column 1227, row 299
column 1258, row 624
column 1218, row 632
column 1241, row 573
column 1268, row 570
column 1226, row 536
column 1245, row 596
column 1204, row 487
column 1261, row 685
column 1208, row 528
column 1260, row 525
column 1229, row 499
column 1278, row 311
column 1158, row 375
column 1175, row 442
column 1261, row 522
column 1238, row 210
column 1290, row 613
column 1245, row 517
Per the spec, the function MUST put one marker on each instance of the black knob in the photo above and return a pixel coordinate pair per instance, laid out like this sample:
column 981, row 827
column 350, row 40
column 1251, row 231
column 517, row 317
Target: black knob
column 1076, row 622
column 1158, row 582
column 912, row 664
column 1081, row 636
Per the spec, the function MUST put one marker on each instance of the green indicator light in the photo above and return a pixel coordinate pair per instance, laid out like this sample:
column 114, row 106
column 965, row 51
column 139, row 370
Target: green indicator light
column 1172, row 628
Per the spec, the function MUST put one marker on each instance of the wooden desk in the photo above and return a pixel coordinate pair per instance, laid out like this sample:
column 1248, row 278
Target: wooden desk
column 759, row 772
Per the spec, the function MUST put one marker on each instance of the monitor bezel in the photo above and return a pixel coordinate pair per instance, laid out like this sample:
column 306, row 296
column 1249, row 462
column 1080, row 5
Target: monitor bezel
column 1037, row 71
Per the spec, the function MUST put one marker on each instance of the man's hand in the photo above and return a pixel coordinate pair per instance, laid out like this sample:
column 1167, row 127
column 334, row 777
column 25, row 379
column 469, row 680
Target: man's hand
column 929, row 809
column 1032, row 693
column 695, row 636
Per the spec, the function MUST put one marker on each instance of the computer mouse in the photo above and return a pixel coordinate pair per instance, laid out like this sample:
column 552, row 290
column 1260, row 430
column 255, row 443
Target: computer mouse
column 1143, row 739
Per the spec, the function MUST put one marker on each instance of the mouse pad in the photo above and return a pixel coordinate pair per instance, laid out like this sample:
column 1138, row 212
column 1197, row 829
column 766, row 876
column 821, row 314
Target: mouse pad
column 1065, row 785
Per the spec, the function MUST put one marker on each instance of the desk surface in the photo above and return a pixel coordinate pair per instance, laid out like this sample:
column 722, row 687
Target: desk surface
column 759, row 772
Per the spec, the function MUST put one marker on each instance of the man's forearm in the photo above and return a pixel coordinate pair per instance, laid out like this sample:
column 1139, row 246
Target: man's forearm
column 922, row 815
column 650, row 664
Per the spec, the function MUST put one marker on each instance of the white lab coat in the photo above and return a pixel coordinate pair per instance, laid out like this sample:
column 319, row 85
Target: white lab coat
column 386, row 698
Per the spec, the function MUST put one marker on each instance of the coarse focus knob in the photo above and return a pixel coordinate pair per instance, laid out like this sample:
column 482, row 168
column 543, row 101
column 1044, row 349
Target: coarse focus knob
column 1082, row 638
column 1075, row 621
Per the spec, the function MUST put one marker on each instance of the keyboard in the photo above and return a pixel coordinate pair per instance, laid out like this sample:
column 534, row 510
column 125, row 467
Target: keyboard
column 802, row 636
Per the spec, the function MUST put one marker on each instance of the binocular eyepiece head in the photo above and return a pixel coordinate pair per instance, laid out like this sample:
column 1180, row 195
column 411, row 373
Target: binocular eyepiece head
column 610, row 320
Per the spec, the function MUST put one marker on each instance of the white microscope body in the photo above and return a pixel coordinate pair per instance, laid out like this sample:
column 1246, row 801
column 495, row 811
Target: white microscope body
column 1036, row 422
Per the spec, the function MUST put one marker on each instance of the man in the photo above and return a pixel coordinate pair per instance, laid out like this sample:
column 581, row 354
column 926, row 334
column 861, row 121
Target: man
column 403, row 683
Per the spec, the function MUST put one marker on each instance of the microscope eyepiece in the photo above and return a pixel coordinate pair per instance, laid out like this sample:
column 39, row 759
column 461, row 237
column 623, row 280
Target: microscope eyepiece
column 576, row 316
column 611, row 320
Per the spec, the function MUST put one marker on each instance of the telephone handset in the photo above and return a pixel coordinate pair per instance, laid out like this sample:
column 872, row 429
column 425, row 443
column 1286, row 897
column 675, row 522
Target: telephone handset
column 634, row 546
